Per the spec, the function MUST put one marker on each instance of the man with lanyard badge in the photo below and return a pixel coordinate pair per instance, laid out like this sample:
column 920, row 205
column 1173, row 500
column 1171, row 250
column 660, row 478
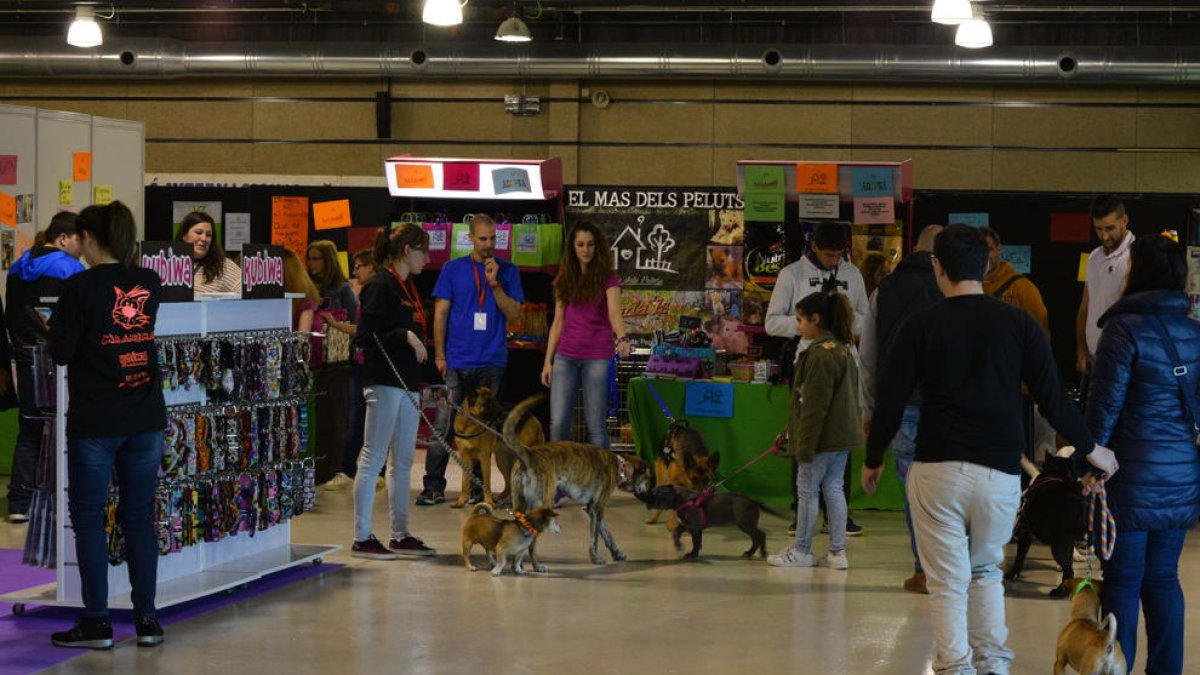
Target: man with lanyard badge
column 474, row 299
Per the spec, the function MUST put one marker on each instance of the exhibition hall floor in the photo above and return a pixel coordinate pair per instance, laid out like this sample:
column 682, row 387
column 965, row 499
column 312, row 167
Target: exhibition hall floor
column 652, row 613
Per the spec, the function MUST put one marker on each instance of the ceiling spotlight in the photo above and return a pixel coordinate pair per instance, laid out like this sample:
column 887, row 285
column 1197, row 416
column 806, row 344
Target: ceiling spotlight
column 951, row 12
column 84, row 31
column 442, row 12
column 513, row 29
column 974, row 34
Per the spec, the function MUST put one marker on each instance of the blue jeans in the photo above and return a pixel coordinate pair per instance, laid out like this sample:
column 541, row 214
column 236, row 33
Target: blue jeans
column 90, row 463
column 904, row 449
column 1144, row 569
column 459, row 381
column 391, row 424
column 821, row 477
column 567, row 376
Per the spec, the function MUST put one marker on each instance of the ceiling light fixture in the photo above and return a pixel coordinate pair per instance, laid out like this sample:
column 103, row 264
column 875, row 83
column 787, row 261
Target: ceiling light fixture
column 443, row 12
column 513, row 29
column 84, row 31
column 951, row 12
column 975, row 33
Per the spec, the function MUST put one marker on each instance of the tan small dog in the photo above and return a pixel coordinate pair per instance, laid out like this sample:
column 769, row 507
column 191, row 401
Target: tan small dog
column 583, row 473
column 1089, row 643
column 504, row 538
column 477, row 444
column 683, row 460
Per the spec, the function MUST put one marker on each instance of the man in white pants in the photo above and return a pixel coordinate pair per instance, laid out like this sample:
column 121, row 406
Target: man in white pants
column 968, row 354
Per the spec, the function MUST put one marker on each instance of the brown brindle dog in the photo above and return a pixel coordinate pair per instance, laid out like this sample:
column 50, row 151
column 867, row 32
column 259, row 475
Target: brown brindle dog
column 577, row 471
column 477, row 444
column 504, row 538
column 683, row 460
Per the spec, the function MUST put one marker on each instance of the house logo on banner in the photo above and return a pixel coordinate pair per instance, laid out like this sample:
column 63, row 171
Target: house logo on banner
column 628, row 248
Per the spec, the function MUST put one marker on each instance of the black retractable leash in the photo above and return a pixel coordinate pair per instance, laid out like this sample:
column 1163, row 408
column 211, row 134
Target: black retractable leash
column 467, row 468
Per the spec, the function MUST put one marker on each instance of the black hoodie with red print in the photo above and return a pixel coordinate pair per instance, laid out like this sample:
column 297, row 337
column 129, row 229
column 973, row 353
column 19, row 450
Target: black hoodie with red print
column 103, row 330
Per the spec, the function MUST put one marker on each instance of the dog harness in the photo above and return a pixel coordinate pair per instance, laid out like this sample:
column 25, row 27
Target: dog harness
column 1106, row 538
column 525, row 524
column 697, row 503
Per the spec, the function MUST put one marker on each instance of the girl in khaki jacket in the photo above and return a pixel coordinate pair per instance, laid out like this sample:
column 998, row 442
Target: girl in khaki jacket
column 823, row 425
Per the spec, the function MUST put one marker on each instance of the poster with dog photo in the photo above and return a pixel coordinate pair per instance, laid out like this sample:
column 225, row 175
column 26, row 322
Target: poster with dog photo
column 8, row 244
column 724, row 267
column 724, row 324
column 727, row 228
column 646, row 310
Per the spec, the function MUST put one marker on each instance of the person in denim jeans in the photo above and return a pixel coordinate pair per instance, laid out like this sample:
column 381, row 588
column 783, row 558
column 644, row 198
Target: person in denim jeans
column 1136, row 404
column 824, row 424
column 587, row 320
column 103, row 331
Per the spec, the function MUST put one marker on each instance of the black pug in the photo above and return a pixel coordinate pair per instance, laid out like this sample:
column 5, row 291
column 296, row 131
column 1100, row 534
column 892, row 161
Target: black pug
column 718, row 510
column 1054, row 510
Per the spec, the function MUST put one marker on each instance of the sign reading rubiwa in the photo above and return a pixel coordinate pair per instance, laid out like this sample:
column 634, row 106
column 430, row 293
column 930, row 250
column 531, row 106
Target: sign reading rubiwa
column 262, row 271
column 172, row 261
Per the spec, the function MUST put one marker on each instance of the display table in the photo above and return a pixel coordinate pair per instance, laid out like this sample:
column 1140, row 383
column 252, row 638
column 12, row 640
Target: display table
column 759, row 413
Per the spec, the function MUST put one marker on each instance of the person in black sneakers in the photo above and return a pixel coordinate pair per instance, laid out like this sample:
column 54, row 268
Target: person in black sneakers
column 39, row 273
column 967, row 355
column 103, row 331
column 391, row 333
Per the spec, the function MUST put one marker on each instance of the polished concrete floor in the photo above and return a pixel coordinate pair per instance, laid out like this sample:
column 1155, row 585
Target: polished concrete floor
column 651, row 614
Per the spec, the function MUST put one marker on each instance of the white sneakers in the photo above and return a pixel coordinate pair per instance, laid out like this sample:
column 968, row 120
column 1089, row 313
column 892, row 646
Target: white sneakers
column 340, row 481
column 793, row 557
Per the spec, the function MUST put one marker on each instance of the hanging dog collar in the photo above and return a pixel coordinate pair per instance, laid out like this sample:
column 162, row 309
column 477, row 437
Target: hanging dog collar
column 523, row 521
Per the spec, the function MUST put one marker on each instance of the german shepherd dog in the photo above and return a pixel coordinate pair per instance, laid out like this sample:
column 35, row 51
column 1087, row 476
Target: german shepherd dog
column 1054, row 511
column 477, row 444
column 683, row 460
column 583, row 473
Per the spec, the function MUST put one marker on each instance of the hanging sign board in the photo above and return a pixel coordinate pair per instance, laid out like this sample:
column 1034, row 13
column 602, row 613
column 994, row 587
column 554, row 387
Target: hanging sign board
column 172, row 261
column 262, row 271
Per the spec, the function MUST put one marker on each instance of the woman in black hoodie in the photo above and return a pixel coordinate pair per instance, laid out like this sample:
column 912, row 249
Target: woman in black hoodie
column 103, row 331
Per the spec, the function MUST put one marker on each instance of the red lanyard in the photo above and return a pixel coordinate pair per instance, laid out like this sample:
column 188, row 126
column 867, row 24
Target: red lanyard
column 478, row 287
column 414, row 299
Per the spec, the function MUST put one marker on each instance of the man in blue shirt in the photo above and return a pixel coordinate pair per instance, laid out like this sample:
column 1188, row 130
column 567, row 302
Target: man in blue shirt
column 475, row 298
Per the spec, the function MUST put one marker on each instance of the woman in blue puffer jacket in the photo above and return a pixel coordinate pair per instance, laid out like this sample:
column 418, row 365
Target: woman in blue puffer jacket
column 1136, row 407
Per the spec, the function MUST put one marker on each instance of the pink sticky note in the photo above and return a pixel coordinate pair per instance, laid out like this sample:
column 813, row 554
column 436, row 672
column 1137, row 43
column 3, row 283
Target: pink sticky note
column 460, row 176
column 874, row 210
column 8, row 169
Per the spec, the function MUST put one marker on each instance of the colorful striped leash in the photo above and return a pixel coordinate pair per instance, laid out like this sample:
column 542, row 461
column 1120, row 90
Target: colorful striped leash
column 1106, row 539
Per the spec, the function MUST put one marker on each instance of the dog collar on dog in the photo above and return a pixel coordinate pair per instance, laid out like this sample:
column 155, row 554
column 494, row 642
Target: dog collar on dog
column 523, row 521
column 698, row 504
column 1086, row 583
column 622, row 470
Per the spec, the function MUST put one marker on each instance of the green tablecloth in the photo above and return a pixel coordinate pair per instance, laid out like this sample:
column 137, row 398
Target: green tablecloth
column 759, row 414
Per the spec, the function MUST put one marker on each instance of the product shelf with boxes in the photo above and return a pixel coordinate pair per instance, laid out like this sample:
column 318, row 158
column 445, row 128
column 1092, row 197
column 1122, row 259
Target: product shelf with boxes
column 233, row 473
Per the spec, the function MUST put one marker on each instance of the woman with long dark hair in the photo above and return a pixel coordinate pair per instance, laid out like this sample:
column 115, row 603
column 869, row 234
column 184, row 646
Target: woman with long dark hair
column 103, row 331
column 587, row 328
column 392, row 333
column 1147, row 357
column 214, row 272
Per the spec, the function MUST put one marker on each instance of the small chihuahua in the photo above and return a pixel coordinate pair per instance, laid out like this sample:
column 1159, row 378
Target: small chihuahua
column 1089, row 643
column 504, row 538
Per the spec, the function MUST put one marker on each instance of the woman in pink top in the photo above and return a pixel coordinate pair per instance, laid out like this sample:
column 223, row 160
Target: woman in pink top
column 587, row 327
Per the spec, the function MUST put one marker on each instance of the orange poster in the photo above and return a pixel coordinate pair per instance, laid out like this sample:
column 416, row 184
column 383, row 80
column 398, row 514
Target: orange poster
column 414, row 176
column 817, row 178
column 289, row 223
column 82, row 163
column 8, row 209
column 331, row 215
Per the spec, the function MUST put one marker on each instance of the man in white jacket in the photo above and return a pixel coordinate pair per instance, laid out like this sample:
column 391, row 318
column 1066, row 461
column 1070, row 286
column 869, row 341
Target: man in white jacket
column 825, row 264
column 824, row 267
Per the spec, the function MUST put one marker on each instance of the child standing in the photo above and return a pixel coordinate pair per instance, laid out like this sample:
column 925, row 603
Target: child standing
column 823, row 425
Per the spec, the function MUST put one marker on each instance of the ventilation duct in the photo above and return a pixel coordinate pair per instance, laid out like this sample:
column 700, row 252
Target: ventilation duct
column 166, row 59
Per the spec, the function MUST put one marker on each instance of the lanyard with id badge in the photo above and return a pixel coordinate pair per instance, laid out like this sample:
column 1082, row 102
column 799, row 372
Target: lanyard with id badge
column 480, row 321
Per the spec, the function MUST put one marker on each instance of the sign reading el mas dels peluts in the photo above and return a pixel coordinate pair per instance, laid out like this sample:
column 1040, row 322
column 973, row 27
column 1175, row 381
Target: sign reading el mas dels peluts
column 172, row 261
column 262, row 271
